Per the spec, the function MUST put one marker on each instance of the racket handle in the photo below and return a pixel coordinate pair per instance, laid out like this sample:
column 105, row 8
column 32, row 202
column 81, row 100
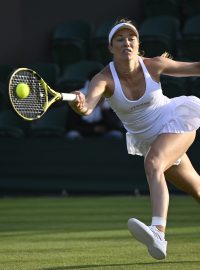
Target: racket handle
column 68, row 97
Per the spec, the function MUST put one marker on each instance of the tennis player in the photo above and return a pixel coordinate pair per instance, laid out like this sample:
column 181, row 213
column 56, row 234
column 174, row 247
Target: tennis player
column 158, row 128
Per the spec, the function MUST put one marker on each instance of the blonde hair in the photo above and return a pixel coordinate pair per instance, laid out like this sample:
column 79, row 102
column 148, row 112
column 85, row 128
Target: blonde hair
column 123, row 20
column 166, row 55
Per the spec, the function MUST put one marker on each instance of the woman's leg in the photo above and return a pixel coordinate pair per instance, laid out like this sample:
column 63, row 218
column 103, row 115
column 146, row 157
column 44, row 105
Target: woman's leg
column 164, row 152
column 159, row 161
column 185, row 177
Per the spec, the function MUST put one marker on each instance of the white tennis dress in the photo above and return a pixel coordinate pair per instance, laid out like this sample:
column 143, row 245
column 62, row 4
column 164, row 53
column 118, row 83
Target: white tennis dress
column 153, row 113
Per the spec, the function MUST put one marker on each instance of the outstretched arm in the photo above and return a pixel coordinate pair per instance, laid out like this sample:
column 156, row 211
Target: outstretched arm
column 85, row 104
column 166, row 66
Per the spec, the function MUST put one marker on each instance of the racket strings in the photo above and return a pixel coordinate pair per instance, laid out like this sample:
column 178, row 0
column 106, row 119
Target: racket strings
column 31, row 107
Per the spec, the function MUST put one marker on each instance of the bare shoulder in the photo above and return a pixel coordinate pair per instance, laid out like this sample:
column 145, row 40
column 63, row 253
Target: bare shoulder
column 154, row 66
column 104, row 78
column 104, row 74
column 157, row 61
column 157, row 65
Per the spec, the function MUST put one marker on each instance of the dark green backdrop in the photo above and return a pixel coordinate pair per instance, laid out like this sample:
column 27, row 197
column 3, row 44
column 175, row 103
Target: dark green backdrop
column 88, row 166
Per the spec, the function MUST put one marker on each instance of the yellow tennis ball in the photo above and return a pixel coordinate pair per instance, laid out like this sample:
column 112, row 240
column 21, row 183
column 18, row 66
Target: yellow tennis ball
column 22, row 90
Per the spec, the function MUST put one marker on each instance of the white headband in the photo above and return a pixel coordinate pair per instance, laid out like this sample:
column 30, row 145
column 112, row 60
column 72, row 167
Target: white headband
column 121, row 26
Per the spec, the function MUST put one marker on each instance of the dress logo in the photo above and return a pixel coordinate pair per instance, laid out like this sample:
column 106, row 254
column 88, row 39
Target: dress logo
column 141, row 105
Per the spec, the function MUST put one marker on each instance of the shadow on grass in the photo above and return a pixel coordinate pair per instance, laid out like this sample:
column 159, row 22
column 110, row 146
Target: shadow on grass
column 116, row 265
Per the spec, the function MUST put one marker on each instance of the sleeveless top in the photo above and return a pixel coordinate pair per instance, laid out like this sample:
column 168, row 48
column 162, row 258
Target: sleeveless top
column 152, row 114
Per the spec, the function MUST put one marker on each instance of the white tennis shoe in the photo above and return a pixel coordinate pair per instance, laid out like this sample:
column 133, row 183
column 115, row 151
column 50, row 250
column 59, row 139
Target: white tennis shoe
column 149, row 236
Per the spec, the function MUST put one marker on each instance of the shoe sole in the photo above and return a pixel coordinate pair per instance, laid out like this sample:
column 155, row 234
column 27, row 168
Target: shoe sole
column 140, row 232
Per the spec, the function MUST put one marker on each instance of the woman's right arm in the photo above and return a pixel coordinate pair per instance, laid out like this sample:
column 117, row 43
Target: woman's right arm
column 85, row 104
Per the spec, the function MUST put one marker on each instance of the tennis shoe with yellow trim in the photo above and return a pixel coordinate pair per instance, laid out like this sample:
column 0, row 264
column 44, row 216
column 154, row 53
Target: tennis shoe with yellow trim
column 149, row 236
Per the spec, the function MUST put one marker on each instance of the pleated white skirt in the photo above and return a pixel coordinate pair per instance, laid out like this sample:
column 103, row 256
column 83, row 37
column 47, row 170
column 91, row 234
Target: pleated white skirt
column 183, row 116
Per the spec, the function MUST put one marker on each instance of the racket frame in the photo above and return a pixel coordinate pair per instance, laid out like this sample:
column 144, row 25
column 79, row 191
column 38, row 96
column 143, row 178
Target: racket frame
column 55, row 96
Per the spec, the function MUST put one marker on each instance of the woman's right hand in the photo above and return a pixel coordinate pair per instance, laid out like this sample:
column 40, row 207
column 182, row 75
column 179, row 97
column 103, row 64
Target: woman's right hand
column 78, row 104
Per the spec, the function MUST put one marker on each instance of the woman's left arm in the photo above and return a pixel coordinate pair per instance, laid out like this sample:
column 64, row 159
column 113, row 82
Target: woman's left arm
column 170, row 67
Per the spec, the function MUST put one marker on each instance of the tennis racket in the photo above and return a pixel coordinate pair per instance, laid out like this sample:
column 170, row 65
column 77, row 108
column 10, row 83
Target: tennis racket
column 40, row 96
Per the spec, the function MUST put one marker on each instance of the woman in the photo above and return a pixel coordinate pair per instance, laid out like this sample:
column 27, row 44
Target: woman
column 158, row 128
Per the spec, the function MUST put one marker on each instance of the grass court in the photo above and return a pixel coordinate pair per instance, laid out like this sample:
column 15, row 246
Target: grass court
column 90, row 233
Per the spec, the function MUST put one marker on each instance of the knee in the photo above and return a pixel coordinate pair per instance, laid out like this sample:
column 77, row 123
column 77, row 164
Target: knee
column 152, row 167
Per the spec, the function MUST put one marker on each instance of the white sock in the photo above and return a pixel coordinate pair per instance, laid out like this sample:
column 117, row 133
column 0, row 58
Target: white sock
column 158, row 221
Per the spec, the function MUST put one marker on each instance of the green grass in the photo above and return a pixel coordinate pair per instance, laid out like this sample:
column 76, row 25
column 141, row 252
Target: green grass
column 91, row 233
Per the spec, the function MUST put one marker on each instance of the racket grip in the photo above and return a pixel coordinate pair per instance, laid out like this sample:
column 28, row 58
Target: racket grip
column 68, row 97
